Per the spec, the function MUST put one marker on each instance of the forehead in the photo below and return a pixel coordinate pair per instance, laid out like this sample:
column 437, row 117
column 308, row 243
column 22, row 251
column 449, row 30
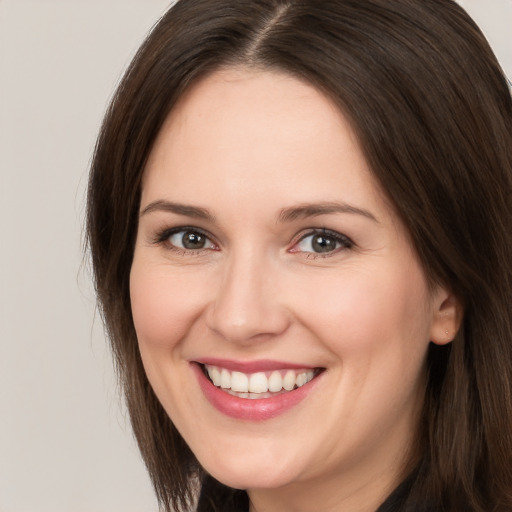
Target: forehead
column 257, row 132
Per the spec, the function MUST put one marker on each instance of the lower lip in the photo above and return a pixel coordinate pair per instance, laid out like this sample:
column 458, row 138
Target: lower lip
column 257, row 409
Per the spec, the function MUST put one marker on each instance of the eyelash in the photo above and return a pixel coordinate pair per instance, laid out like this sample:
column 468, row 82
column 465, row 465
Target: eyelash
column 344, row 242
column 162, row 238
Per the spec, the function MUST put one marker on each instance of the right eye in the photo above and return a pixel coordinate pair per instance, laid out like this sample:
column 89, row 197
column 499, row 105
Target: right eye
column 186, row 239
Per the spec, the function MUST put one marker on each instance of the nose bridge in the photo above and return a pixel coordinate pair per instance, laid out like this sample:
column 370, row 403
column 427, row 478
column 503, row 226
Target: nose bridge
column 247, row 305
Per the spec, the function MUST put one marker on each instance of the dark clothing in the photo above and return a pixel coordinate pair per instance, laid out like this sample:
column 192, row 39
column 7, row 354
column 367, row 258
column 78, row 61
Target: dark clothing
column 397, row 501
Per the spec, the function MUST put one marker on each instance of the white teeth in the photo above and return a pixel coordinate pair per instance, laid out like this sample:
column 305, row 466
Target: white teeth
column 225, row 379
column 214, row 374
column 300, row 380
column 275, row 382
column 259, row 382
column 289, row 380
column 239, row 382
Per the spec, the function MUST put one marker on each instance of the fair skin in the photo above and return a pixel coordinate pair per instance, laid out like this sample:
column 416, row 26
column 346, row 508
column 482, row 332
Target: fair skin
column 249, row 274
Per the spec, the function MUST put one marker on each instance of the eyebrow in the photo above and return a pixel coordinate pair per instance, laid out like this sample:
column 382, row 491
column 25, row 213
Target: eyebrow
column 179, row 209
column 301, row 211
column 306, row 210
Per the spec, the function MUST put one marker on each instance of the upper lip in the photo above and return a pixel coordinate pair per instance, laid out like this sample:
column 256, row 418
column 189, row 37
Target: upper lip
column 258, row 365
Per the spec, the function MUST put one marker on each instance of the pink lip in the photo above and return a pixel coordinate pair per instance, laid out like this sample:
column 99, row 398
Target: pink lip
column 261, row 365
column 258, row 409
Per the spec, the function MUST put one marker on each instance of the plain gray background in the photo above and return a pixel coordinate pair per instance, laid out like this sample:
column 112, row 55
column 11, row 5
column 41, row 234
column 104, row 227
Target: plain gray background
column 65, row 445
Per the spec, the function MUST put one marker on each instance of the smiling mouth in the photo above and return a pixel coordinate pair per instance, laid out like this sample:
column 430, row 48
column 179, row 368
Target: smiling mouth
column 260, row 384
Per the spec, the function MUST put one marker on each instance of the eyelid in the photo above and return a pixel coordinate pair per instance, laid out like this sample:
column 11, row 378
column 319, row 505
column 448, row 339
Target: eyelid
column 162, row 236
column 340, row 238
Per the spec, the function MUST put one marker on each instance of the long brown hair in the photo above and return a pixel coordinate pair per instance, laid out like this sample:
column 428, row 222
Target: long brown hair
column 433, row 115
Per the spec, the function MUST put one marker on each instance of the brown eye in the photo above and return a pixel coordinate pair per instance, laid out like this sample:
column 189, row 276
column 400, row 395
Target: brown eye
column 192, row 240
column 189, row 240
column 323, row 242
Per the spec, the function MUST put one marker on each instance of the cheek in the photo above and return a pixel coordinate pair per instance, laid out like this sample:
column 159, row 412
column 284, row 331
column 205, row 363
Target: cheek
column 370, row 308
column 164, row 315
column 376, row 326
column 163, row 306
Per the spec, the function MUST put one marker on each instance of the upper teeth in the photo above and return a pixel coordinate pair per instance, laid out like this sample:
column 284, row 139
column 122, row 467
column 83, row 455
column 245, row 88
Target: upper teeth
column 260, row 382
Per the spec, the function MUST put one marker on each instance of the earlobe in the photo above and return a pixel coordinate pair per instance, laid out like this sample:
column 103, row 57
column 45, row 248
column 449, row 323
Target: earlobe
column 446, row 317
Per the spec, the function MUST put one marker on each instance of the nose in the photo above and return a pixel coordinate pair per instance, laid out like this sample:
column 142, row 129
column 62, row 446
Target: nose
column 247, row 305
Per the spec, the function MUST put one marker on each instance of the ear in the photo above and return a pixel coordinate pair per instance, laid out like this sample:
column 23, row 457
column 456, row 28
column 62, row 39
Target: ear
column 447, row 313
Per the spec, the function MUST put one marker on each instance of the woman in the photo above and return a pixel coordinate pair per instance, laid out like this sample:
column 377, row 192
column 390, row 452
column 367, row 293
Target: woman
column 299, row 218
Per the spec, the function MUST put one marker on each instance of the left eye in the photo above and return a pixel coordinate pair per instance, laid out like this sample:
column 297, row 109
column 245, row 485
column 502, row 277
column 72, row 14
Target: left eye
column 322, row 242
column 190, row 240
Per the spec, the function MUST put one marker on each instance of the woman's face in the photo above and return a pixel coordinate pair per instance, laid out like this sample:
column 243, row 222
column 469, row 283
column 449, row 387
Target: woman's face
column 268, row 256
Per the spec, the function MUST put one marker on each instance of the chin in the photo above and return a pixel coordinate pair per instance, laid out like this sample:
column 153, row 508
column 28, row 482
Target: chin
column 242, row 473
